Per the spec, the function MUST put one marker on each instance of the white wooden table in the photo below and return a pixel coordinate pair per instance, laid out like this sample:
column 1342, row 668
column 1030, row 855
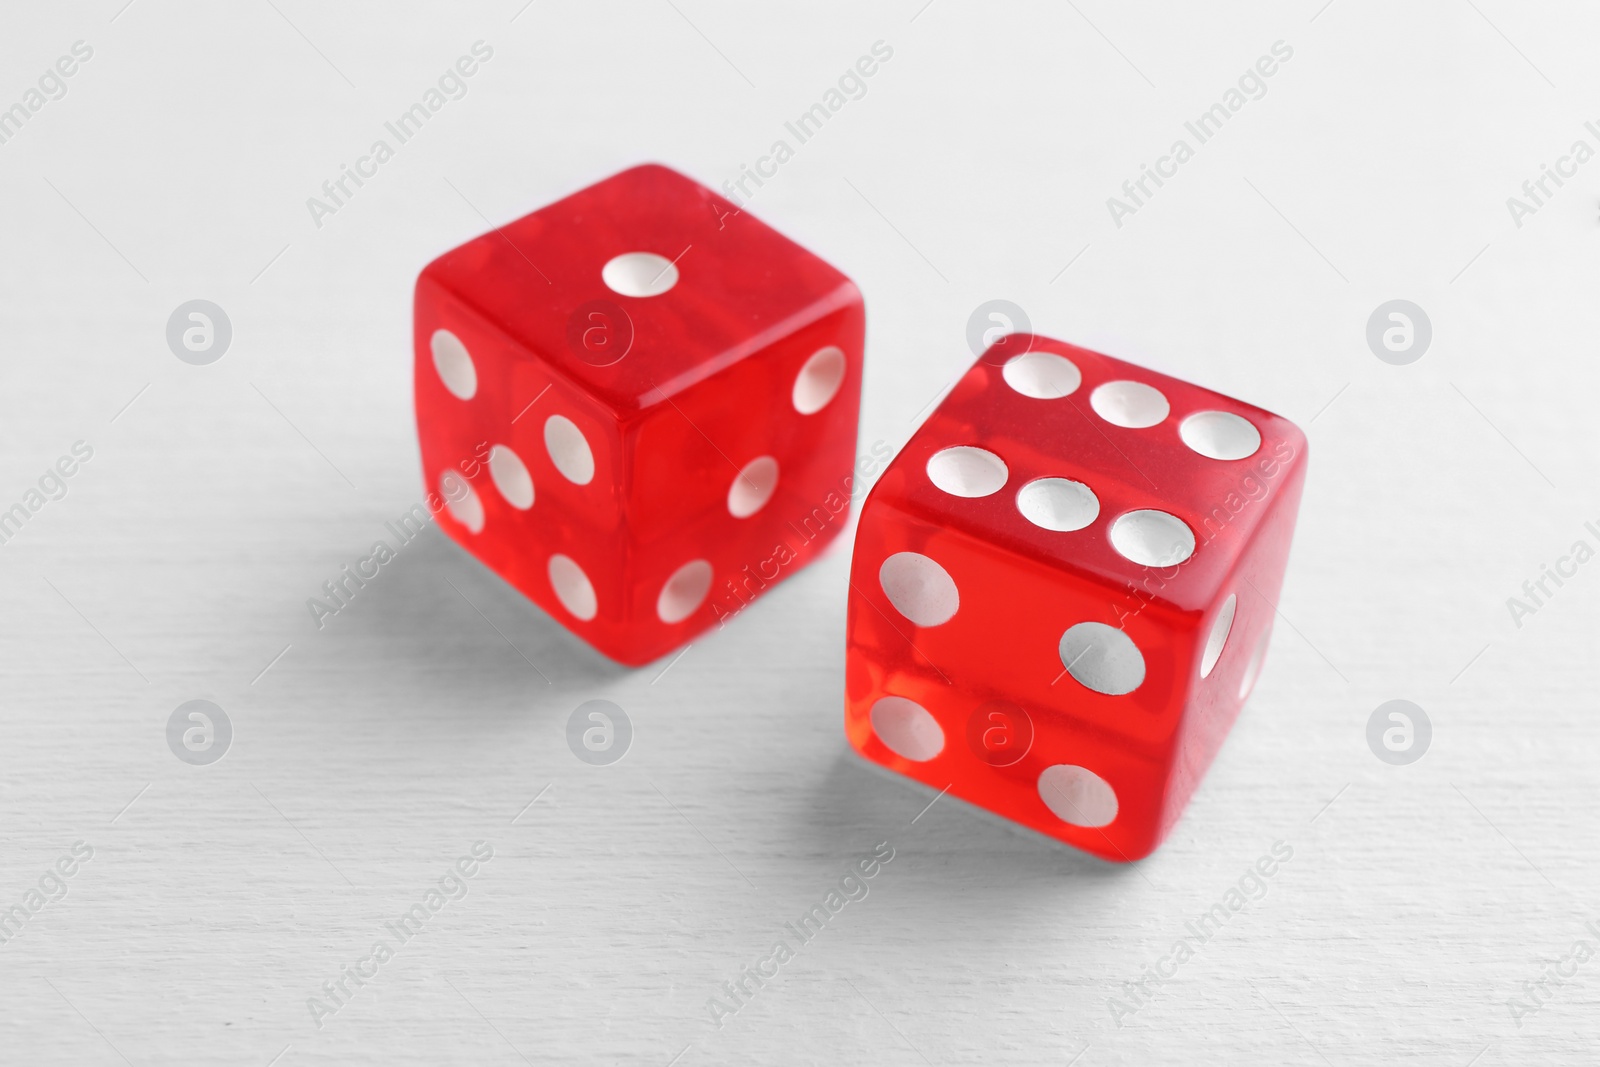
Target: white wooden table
column 1421, row 903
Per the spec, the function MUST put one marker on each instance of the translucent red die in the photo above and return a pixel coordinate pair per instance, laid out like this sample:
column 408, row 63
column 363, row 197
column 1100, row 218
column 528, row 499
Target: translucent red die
column 1063, row 589
column 634, row 403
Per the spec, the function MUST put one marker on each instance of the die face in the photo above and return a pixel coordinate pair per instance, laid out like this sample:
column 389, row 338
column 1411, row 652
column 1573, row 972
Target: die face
column 988, row 682
column 1127, row 469
column 496, row 486
column 643, row 500
column 736, row 285
column 991, row 679
column 995, row 585
column 1239, row 631
column 1004, row 637
column 735, row 480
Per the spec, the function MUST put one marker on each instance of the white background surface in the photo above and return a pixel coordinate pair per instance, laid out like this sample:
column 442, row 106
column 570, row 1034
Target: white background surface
column 1419, row 899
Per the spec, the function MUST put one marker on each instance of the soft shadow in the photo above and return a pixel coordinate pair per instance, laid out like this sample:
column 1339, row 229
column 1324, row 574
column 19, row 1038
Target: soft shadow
column 967, row 848
column 441, row 628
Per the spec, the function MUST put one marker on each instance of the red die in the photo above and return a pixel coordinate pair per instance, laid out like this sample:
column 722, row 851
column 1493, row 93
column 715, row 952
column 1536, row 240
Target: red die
column 1063, row 587
column 627, row 397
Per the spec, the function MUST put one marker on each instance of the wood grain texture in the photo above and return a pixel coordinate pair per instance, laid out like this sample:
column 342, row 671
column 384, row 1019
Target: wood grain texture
column 370, row 754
